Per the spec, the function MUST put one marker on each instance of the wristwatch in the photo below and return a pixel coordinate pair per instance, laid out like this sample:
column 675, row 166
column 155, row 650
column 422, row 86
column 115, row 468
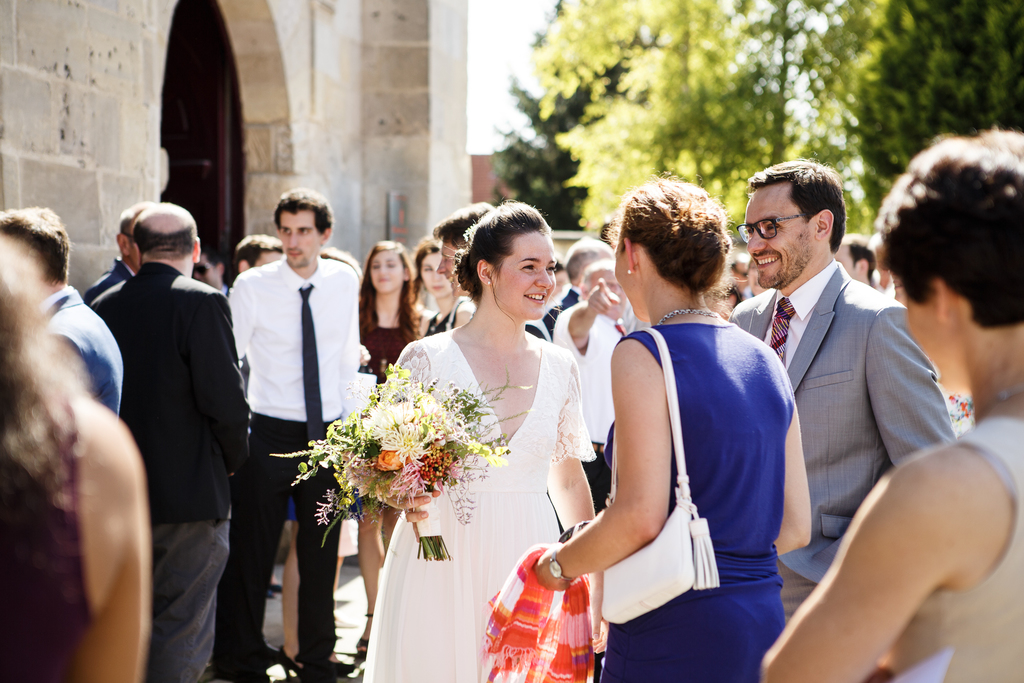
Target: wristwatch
column 556, row 569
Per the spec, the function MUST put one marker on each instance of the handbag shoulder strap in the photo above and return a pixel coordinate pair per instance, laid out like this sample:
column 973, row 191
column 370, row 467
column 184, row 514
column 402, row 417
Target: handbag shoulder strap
column 683, row 496
column 704, row 562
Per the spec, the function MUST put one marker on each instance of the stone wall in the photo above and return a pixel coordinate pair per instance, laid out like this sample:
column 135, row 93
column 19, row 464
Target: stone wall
column 351, row 97
column 79, row 116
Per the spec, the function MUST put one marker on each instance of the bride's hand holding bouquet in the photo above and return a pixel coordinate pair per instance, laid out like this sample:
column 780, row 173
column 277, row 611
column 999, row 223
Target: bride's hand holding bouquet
column 402, row 448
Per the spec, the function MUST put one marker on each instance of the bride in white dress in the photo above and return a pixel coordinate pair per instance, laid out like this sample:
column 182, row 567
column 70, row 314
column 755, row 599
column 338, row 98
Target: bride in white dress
column 429, row 618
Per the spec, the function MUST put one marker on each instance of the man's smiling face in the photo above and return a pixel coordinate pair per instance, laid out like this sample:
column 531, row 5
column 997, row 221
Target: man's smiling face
column 782, row 259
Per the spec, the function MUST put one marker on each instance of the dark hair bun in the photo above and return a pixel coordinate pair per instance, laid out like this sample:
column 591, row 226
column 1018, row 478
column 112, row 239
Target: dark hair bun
column 492, row 240
column 682, row 228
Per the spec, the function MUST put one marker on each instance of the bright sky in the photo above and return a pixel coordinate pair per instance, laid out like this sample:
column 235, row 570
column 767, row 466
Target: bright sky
column 500, row 39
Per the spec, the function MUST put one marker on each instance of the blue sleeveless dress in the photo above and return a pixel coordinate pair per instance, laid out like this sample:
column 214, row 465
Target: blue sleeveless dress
column 736, row 404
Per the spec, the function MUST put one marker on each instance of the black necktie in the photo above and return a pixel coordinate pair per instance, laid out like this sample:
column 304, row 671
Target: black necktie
column 311, row 372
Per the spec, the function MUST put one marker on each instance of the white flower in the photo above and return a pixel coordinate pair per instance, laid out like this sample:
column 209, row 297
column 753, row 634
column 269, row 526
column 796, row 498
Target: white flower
column 406, row 440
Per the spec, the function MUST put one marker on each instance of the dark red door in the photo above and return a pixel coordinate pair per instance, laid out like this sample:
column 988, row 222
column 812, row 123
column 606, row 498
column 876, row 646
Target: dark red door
column 201, row 126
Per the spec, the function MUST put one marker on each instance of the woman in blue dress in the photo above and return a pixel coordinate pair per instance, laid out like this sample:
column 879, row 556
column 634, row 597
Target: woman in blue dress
column 741, row 439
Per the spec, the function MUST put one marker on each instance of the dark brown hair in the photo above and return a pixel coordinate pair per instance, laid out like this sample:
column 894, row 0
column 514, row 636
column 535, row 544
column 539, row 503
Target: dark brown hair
column 408, row 313
column 305, row 199
column 426, row 247
column 814, row 187
column 492, row 240
column 253, row 246
column 957, row 214
column 860, row 251
column 35, row 374
column 682, row 228
column 43, row 233
column 453, row 229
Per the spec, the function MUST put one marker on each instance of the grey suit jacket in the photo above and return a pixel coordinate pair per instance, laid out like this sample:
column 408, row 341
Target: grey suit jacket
column 867, row 398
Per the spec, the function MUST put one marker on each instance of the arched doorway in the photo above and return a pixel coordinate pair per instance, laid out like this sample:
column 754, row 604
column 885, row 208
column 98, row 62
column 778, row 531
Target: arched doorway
column 201, row 126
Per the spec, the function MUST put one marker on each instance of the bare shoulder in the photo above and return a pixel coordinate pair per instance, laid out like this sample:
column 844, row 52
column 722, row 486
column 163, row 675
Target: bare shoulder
column 952, row 500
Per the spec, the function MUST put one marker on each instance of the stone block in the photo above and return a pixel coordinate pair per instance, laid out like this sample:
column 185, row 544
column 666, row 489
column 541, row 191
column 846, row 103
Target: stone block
column 396, row 68
column 88, row 262
column 284, row 159
column 28, row 123
column 73, row 120
column 134, row 138
column 396, row 21
column 398, row 161
column 259, row 157
column 109, row 5
column 71, row 192
column 261, row 79
column 396, row 113
column 7, row 33
column 10, row 186
column 51, row 37
column 115, row 54
column 106, row 130
column 117, row 193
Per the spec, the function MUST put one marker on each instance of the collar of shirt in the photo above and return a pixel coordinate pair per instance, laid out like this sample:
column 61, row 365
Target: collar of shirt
column 294, row 281
column 806, row 296
column 49, row 301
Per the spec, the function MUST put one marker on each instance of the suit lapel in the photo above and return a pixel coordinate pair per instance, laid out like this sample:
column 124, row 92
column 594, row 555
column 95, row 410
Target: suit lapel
column 821, row 320
column 762, row 318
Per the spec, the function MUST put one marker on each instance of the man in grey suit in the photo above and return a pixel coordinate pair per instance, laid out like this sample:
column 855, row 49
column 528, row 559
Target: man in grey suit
column 866, row 394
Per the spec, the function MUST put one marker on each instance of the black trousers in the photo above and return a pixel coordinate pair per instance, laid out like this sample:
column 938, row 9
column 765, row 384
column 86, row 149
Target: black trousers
column 259, row 504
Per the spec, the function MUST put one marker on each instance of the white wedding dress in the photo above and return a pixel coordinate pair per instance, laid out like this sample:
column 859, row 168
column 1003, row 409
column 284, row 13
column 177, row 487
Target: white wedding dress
column 430, row 617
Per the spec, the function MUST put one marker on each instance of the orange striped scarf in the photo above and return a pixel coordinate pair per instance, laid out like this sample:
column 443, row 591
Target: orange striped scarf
column 545, row 633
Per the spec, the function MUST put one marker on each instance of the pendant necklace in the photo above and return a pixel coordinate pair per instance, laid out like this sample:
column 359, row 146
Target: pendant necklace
column 697, row 311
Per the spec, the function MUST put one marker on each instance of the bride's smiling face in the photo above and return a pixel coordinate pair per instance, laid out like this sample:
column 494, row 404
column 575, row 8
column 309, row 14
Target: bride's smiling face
column 526, row 278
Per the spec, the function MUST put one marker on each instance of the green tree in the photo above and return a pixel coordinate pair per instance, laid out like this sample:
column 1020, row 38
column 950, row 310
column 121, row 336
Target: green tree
column 711, row 90
column 937, row 67
column 535, row 168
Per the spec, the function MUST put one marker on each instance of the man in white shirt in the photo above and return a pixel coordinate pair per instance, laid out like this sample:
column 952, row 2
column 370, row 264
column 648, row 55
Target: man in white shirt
column 296, row 320
column 865, row 392
column 591, row 329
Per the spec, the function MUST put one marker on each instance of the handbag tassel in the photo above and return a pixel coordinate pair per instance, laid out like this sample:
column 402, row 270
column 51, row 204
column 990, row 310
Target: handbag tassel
column 704, row 564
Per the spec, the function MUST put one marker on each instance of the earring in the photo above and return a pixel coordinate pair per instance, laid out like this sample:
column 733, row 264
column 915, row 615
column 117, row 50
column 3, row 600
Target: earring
column 628, row 271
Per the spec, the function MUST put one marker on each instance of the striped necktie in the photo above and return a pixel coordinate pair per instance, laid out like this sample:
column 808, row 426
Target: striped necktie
column 780, row 327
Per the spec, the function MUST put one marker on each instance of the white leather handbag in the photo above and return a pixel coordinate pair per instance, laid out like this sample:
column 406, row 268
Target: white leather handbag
column 682, row 556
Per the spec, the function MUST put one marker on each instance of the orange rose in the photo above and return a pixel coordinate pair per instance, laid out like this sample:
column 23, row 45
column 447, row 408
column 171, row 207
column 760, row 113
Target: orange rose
column 389, row 460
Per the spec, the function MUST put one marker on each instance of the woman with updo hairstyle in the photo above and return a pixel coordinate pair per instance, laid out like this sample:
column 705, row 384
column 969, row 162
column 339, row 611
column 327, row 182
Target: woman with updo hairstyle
column 430, row 616
column 75, row 549
column 741, row 445
column 932, row 563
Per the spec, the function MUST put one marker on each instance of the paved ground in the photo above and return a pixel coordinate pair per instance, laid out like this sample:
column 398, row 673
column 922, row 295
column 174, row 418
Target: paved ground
column 350, row 607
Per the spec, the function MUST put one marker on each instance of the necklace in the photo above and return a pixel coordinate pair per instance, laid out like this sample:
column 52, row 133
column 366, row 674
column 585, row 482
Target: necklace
column 1007, row 393
column 698, row 311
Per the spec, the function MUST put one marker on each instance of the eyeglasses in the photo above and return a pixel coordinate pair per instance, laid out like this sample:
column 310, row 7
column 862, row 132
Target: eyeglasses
column 201, row 268
column 767, row 228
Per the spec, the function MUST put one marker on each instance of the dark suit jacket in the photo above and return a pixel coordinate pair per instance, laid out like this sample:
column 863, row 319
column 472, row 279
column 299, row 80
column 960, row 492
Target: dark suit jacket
column 88, row 334
column 571, row 298
column 867, row 398
column 183, row 398
column 117, row 274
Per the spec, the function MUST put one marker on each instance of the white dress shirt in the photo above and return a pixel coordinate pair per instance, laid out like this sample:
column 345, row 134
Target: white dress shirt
column 595, row 371
column 803, row 300
column 266, row 308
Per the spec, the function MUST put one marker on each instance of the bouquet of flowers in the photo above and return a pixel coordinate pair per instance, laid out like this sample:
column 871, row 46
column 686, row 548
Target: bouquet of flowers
column 409, row 439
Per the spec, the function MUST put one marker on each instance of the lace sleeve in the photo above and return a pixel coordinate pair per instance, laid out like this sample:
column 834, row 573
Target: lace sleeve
column 414, row 358
column 573, row 438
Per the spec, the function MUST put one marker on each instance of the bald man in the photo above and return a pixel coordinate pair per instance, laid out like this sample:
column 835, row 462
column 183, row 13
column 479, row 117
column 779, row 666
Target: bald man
column 184, row 403
column 126, row 266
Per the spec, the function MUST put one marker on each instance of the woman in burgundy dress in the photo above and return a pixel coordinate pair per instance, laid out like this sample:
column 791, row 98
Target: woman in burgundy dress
column 74, row 522
column 389, row 318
